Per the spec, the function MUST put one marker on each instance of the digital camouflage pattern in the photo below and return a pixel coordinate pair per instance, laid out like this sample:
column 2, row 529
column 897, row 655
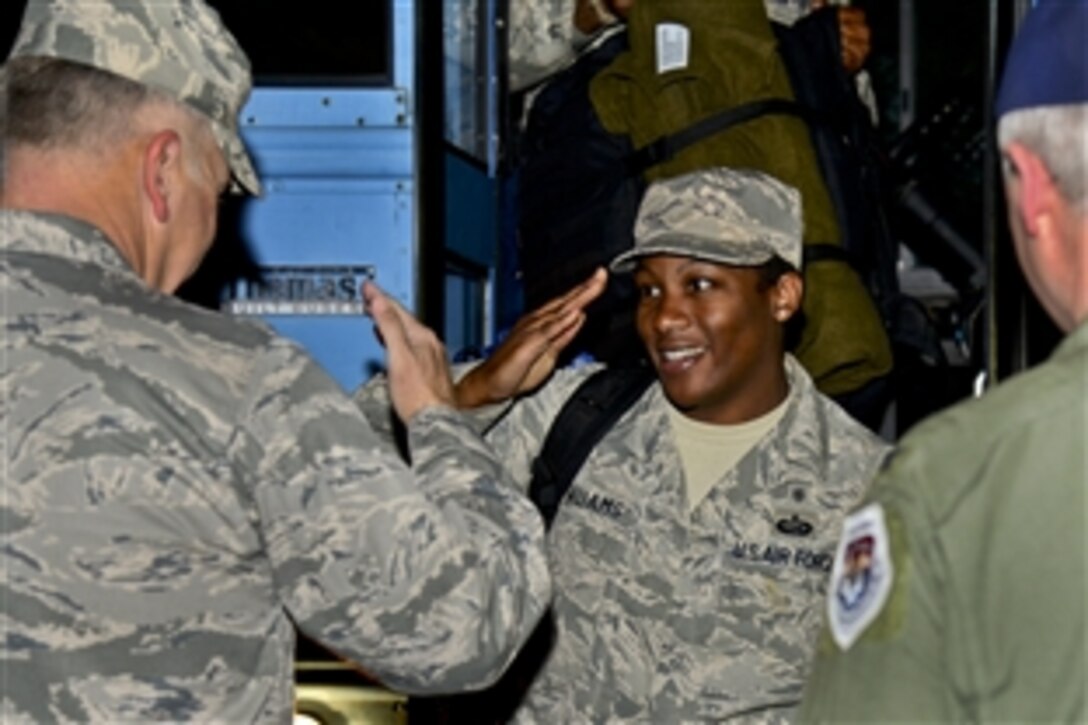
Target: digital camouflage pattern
column 788, row 12
column 541, row 39
column 664, row 614
column 179, row 47
column 180, row 486
column 741, row 217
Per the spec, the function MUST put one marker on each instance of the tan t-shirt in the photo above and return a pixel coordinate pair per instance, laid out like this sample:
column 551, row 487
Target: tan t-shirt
column 709, row 450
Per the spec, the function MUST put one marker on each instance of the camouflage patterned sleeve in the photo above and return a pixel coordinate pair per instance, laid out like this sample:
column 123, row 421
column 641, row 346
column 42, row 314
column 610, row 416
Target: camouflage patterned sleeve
column 541, row 40
column 520, row 431
column 372, row 397
column 516, row 428
column 430, row 579
column 787, row 12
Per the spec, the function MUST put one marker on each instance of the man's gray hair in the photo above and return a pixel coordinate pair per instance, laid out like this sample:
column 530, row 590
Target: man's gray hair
column 52, row 103
column 1058, row 135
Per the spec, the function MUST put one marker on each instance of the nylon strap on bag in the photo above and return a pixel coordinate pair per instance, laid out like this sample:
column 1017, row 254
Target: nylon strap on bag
column 584, row 419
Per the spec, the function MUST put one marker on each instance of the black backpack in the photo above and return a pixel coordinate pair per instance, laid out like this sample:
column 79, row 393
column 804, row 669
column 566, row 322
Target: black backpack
column 579, row 186
column 852, row 164
column 576, row 204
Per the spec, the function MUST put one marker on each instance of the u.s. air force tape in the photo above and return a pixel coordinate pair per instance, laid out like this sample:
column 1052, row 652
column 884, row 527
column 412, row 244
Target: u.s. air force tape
column 861, row 575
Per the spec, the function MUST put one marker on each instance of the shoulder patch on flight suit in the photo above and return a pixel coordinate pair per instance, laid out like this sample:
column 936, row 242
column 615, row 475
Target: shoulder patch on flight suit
column 861, row 575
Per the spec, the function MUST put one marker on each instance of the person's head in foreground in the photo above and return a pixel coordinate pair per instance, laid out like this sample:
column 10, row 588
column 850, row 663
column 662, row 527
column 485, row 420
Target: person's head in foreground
column 716, row 261
column 1042, row 109
column 123, row 113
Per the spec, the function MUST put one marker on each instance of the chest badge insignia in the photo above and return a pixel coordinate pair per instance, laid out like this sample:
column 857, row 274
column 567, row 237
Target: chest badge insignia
column 794, row 526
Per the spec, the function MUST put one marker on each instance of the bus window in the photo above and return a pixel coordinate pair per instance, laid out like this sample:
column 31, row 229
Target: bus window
column 343, row 44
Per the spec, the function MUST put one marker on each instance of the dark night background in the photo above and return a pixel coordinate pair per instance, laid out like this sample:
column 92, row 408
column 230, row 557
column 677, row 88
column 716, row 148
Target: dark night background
column 336, row 42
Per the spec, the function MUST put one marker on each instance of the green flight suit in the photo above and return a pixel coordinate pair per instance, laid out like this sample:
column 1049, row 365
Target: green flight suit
column 985, row 619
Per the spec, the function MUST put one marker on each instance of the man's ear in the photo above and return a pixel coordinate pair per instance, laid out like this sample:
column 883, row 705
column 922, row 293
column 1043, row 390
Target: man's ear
column 1032, row 186
column 161, row 161
column 786, row 296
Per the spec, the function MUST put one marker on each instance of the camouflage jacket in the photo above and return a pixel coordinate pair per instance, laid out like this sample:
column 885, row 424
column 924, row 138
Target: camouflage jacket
column 542, row 40
column 664, row 615
column 180, row 487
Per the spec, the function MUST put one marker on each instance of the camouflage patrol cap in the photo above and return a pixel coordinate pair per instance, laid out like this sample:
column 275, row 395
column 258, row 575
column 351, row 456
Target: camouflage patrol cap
column 738, row 217
column 179, row 47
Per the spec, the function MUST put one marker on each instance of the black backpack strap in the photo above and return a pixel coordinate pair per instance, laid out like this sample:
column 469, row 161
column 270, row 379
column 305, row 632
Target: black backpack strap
column 664, row 148
column 584, row 419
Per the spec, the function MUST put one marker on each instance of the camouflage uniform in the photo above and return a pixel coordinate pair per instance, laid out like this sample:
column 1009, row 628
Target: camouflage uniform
column 542, row 39
column 664, row 613
column 789, row 12
column 181, row 487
